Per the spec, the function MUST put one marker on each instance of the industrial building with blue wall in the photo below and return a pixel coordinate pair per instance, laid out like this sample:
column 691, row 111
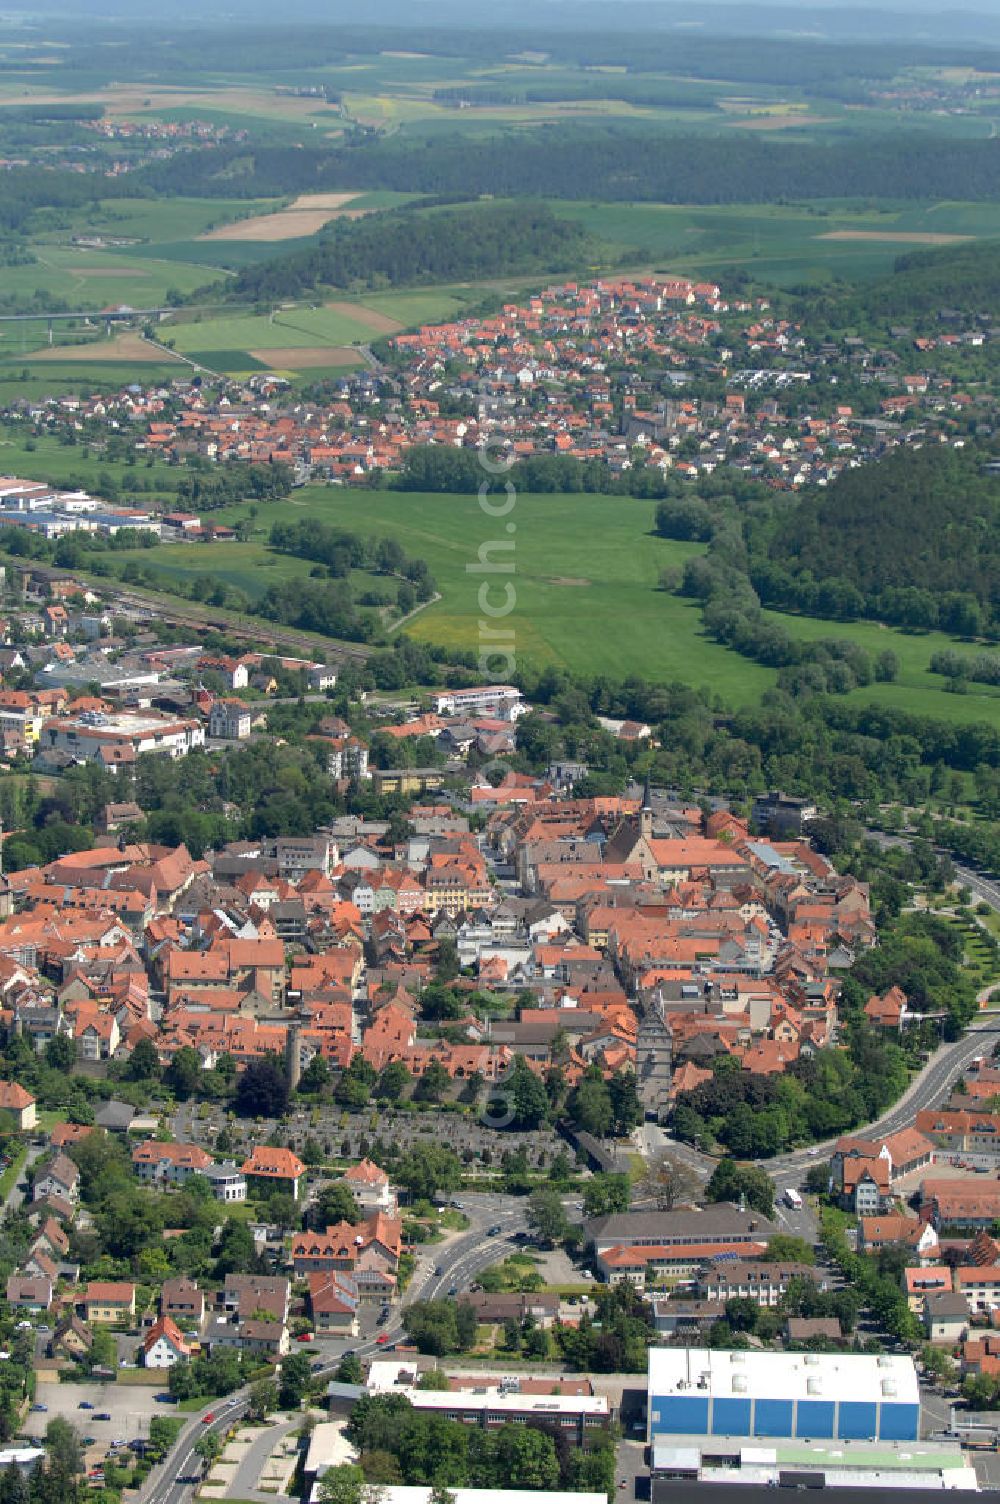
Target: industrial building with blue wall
column 699, row 1391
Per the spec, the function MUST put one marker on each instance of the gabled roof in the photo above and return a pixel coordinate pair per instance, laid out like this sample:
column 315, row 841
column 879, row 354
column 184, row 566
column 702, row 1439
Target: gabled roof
column 275, row 1164
column 168, row 1329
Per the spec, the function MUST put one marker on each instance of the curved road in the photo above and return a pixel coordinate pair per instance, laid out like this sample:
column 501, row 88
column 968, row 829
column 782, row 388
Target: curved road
column 460, row 1260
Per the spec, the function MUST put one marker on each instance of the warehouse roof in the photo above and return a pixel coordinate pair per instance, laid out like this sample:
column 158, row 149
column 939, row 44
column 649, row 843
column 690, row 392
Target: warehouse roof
column 857, row 1377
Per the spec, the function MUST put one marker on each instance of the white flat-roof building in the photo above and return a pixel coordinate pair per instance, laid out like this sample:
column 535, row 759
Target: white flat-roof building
column 700, row 1391
column 490, row 1403
column 500, row 700
column 901, row 1467
column 109, row 739
column 402, row 1493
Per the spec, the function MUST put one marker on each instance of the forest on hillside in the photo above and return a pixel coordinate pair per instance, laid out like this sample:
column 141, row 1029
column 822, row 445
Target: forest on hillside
column 905, row 536
column 616, row 162
column 401, row 248
column 962, row 279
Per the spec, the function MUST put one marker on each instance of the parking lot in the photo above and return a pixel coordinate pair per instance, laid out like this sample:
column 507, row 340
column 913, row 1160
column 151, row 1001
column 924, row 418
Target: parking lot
column 131, row 1408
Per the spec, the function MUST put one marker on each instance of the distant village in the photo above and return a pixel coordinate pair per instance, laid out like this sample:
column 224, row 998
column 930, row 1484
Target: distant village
column 591, row 373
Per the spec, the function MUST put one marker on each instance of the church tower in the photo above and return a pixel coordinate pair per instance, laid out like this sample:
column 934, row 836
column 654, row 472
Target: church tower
column 646, row 812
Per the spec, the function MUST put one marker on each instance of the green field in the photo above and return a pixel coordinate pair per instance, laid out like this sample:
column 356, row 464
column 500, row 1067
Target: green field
column 587, row 597
column 780, row 243
column 311, row 327
column 301, row 328
column 586, row 571
column 59, row 464
column 93, row 279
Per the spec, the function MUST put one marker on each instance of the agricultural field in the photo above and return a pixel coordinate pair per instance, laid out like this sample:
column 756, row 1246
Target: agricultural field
column 781, row 243
column 88, row 279
column 307, row 338
column 589, row 610
column 45, row 458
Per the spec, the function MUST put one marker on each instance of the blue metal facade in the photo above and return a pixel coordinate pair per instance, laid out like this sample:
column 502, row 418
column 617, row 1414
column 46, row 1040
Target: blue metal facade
column 699, row 1415
column 731, row 1417
column 816, row 1419
column 773, row 1418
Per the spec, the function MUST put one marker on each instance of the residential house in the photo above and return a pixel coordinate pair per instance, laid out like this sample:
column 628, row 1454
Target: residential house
column 182, row 1301
column 229, row 720
column 541, row 1308
column 333, row 1302
column 980, row 1285
column 164, row 1345
column 157, row 1163
column 71, row 1339
column 808, row 1329
column 274, row 1169
column 227, row 1180
column 109, row 1302
column 919, row 1282
column 59, row 1178
column 371, row 1188
column 17, row 1103
column 946, row 1317
column 26, row 1292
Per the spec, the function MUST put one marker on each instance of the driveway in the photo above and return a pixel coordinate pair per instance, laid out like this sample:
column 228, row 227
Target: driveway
column 15, row 1196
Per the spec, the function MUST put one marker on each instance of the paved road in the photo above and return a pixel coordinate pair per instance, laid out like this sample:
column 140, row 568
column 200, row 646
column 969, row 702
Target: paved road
column 460, row 1260
column 247, row 1475
column 985, row 888
column 931, row 1086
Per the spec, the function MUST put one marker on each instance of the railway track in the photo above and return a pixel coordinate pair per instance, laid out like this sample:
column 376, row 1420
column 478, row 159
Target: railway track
column 200, row 618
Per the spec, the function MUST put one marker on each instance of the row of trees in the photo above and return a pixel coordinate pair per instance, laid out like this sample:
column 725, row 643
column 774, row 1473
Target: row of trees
column 342, row 551
column 398, row 1444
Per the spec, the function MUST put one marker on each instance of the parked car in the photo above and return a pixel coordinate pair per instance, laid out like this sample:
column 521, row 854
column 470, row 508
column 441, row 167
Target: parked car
column 305, row 1337
column 85, row 1405
column 40, row 1409
column 102, row 1414
column 491, row 1232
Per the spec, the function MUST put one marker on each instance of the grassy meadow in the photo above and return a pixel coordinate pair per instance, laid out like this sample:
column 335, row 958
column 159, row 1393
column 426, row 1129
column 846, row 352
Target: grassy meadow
column 779, row 243
column 587, row 598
